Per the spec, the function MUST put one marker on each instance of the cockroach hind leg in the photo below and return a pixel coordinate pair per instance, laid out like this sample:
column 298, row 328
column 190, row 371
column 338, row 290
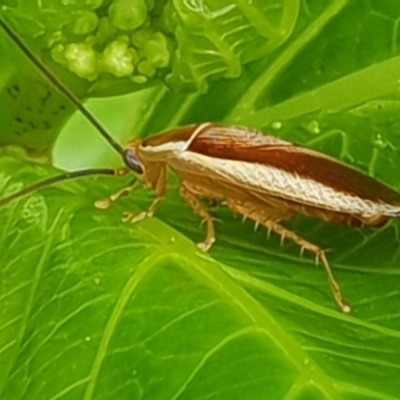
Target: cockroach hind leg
column 198, row 208
column 265, row 218
column 337, row 292
column 320, row 256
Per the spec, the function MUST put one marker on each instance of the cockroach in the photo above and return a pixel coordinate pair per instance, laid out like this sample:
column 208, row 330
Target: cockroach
column 261, row 177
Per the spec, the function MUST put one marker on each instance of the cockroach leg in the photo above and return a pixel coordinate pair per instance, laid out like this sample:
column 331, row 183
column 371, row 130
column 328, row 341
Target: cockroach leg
column 102, row 204
column 123, row 192
column 266, row 218
column 154, row 178
column 212, row 203
column 320, row 257
column 203, row 213
column 106, row 203
column 133, row 218
column 337, row 293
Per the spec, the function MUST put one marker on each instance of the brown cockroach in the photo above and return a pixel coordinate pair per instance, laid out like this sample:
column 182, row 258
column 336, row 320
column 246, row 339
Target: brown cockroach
column 261, row 177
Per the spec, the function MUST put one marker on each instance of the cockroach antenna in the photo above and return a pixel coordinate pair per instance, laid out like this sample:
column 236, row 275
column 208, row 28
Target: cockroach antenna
column 89, row 116
column 54, row 180
column 61, row 87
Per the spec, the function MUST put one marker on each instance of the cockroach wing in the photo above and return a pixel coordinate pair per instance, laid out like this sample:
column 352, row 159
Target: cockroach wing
column 297, row 175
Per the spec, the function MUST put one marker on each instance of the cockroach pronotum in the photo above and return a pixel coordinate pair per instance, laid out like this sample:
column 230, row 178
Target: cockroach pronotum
column 261, row 177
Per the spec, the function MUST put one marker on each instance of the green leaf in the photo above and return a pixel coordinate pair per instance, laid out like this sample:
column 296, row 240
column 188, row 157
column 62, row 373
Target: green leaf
column 92, row 307
column 123, row 45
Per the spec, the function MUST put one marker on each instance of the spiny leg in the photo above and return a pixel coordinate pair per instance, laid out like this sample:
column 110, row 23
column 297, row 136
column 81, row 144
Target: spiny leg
column 262, row 218
column 337, row 293
column 320, row 256
column 203, row 213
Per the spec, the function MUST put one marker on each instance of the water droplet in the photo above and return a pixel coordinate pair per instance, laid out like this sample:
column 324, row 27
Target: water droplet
column 88, row 339
column 378, row 142
column 313, row 127
column 97, row 281
column 276, row 125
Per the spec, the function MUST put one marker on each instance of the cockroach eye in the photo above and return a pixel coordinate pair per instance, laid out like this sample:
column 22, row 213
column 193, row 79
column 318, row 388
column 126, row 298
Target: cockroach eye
column 132, row 161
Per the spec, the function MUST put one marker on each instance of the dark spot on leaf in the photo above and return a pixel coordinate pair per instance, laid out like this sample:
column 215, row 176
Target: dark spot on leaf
column 12, row 93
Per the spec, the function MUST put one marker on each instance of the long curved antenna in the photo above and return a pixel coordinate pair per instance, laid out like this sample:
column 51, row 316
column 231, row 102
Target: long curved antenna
column 58, row 179
column 62, row 88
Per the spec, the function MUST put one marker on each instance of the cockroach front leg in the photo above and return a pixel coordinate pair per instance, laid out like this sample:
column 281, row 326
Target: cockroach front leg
column 127, row 216
column 106, row 203
column 130, row 217
column 198, row 208
column 264, row 218
column 155, row 178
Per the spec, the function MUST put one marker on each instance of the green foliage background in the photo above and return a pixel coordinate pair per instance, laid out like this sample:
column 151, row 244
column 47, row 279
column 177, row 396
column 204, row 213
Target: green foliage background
column 94, row 308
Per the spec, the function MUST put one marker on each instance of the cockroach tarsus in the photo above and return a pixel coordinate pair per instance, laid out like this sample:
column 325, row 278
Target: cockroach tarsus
column 261, row 177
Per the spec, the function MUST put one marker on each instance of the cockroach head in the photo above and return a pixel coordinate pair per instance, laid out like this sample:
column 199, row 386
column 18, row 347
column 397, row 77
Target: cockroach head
column 132, row 161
